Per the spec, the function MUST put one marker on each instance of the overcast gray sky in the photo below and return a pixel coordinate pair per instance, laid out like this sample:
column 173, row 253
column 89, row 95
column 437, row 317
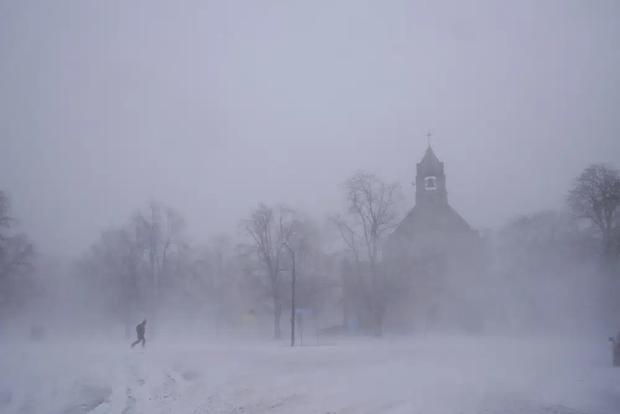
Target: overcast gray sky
column 213, row 106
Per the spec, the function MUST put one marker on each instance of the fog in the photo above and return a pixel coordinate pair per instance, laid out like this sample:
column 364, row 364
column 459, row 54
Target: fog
column 211, row 106
column 440, row 179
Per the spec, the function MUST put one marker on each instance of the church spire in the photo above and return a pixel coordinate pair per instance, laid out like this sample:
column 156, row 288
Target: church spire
column 430, row 180
column 430, row 160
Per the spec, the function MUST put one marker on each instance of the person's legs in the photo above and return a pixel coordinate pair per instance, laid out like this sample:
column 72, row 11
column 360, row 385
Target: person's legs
column 134, row 343
column 143, row 342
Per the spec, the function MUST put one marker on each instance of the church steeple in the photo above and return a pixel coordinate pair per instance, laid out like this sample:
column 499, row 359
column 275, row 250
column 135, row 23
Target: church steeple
column 430, row 181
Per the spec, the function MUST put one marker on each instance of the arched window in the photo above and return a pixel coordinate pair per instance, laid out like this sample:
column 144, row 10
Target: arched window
column 430, row 183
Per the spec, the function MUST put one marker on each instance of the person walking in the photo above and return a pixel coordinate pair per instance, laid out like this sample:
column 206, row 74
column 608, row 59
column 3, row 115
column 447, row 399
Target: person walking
column 140, row 329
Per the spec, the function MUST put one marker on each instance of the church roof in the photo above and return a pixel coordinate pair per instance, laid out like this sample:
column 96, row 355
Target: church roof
column 423, row 220
column 429, row 157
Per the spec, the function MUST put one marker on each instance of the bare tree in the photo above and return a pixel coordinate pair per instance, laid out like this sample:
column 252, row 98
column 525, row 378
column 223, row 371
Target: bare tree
column 16, row 251
column 159, row 233
column 214, row 282
column 371, row 214
column 5, row 218
column 128, row 265
column 268, row 229
column 596, row 196
column 113, row 270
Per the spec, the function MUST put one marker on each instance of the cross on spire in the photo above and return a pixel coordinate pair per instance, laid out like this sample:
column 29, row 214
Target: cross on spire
column 428, row 138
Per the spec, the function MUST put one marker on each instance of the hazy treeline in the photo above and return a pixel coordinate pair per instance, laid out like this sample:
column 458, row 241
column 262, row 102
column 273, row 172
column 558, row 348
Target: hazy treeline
column 548, row 270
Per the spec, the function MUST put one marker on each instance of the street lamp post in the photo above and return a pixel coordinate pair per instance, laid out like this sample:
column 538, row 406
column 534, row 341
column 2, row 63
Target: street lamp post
column 293, row 308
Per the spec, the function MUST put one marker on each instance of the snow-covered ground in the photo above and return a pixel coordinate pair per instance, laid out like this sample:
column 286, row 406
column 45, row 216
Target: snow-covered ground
column 455, row 375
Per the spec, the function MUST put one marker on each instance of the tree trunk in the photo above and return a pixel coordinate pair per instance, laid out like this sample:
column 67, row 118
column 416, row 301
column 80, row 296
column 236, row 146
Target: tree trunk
column 378, row 320
column 277, row 312
column 377, row 299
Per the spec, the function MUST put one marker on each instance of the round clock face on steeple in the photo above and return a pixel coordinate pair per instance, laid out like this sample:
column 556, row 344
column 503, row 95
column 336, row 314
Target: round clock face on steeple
column 430, row 183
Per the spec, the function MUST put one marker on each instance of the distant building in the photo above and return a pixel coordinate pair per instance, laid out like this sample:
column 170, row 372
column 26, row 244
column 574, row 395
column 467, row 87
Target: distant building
column 432, row 257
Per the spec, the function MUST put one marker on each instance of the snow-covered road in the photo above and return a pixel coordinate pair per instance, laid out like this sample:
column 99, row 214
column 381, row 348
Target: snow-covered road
column 452, row 375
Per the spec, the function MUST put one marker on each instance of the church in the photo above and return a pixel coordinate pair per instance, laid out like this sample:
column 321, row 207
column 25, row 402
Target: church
column 433, row 257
